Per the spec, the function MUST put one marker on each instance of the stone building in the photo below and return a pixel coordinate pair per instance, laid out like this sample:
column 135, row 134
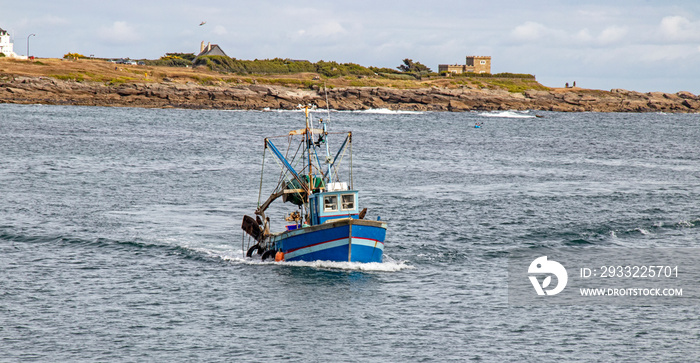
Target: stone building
column 475, row 64
column 210, row 49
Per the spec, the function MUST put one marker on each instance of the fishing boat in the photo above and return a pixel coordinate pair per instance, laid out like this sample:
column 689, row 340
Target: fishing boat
column 326, row 222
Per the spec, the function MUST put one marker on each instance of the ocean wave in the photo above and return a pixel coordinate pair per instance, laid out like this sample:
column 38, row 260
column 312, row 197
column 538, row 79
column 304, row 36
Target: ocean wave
column 378, row 111
column 386, row 111
column 507, row 114
column 687, row 224
column 94, row 242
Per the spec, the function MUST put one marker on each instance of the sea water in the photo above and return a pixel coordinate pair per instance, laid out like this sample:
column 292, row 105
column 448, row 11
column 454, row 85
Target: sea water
column 120, row 236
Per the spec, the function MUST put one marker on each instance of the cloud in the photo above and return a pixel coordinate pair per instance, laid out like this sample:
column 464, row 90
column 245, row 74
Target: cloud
column 679, row 28
column 43, row 21
column 612, row 34
column 584, row 36
column 323, row 30
column 674, row 26
column 530, row 31
column 119, row 33
column 220, row 30
column 329, row 34
column 51, row 20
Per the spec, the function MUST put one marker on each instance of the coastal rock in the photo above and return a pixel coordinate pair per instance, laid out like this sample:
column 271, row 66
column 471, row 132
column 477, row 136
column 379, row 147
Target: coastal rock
column 47, row 90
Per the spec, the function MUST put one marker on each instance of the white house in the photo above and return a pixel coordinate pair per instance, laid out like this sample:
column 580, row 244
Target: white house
column 6, row 46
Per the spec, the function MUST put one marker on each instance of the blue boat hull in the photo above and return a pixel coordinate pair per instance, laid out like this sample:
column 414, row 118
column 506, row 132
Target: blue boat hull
column 343, row 240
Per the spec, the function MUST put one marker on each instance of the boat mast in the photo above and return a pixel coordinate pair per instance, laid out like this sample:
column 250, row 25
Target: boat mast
column 328, row 154
column 325, row 135
column 308, row 152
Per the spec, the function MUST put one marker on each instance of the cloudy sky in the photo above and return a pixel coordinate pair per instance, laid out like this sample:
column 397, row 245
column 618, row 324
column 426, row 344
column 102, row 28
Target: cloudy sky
column 642, row 45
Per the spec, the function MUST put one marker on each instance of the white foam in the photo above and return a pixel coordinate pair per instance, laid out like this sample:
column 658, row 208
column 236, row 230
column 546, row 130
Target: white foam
column 386, row 111
column 380, row 111
column 506, row 114
column 686, row 224
column 643, row 231
column 389, row 264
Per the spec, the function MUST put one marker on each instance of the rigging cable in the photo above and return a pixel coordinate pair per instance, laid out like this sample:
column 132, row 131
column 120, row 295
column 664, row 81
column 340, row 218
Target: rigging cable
column 262, row 171
column 351, row 183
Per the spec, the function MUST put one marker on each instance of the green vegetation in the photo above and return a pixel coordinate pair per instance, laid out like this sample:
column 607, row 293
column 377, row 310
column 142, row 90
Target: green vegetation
column 281, row 66
column 510, row 84
column 172, row 60
column 262, row 67
column 384, row 70
column 90, row 76
column 70, row 77
column 409, row 66
column 399, row 76
column 2, row 55
column 187, row 56
column 409, row 71
column 335, row 69
column 118, row 80
column 515, row 85
column 489, row 75
column 266, row 66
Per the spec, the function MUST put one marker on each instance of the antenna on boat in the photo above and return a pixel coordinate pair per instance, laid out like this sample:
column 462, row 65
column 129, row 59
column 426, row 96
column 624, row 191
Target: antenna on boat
column 328, row 106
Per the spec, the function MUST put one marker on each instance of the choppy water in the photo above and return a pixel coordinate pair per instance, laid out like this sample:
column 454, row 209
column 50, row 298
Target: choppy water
column 120, row 237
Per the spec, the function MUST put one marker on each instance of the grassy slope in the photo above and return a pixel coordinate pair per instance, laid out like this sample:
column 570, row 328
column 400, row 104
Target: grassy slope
column 110, row 73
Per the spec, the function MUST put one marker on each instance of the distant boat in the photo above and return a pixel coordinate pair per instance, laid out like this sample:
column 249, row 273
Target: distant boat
column 327, row 223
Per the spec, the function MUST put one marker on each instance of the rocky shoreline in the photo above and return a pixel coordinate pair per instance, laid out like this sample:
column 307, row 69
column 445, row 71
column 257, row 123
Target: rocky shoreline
column 47, row 90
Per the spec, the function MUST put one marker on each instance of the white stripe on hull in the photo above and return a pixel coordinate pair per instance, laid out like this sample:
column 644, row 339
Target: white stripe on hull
column 357, row 241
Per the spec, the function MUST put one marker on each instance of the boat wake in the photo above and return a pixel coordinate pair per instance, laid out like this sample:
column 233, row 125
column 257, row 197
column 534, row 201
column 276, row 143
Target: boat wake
column 507, row 114
column 389, row 264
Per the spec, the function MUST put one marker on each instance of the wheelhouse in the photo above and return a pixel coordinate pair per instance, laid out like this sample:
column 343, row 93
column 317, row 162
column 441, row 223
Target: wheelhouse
column 333, row 204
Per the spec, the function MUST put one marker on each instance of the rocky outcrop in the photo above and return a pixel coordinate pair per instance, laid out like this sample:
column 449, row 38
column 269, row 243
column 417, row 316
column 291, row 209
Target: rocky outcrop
column 195, row 96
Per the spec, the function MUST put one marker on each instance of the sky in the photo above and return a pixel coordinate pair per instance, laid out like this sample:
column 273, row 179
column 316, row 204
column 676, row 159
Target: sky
column 640, row 45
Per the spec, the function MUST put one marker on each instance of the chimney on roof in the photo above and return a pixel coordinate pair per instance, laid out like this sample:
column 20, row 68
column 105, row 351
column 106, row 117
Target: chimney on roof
column 201, row 47
column 208, row 46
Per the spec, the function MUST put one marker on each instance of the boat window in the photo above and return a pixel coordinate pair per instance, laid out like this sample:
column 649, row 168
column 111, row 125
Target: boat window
column 348, row 201
column 330, row 203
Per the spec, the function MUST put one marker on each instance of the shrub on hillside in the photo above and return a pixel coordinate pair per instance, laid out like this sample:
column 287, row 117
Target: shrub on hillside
column 280, row 66
column 73, row 56
column 188, row 56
